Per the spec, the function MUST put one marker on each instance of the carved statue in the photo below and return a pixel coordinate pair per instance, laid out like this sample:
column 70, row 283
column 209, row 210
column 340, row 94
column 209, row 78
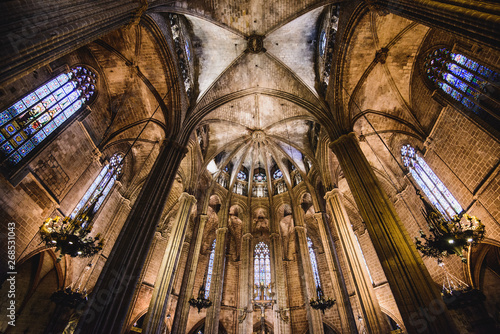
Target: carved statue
column 261, row 223
column 235, row 229
column 210, row 230
column 287, row 235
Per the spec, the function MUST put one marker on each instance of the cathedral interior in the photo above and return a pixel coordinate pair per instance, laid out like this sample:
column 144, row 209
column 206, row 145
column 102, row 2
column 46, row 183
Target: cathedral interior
column 250, row 166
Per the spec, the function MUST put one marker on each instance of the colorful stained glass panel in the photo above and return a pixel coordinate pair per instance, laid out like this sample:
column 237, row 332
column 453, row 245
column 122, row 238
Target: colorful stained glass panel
column 42, row 105
column 38, row 137
column 4, row 117
column 42, row 91
column 7, row 148
column 30, row 99
column 14, row 158
column 26, row 148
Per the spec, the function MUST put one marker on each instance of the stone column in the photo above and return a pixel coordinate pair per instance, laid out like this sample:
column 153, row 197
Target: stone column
column 37, row 34
column 372, row 315
column 282, row 320
column 313, row 316
column 347, row 321
column 413, row 288
column 474, row 20
column 245, row 316
column 213, row 312
column 182, row 310
column 130, row 313
column 109, row 302
column 163, row 284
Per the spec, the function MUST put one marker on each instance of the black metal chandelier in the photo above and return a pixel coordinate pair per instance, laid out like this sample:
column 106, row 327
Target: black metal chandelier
column 321, row 303
column 70, row 236
column 448, row 236
column 200, row 302
column 69, row 298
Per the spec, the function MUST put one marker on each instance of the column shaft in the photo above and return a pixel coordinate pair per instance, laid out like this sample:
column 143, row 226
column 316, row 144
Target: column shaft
column 109, row 302
column 347, row 321
column 44, row 31
column 313, row 316
column 163, row 284
column 282, row 320
column 245, row 293
column 182, row 309
column 410, row 282
column 213, row 312
column 474, row 20
column 372, row 316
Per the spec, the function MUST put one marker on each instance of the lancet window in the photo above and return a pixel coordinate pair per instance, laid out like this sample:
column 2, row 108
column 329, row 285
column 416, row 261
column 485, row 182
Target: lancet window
column 262, row 270
column 210, row 269
column 99, row 189
column 32, row 119
column 314, row 262
column 430, row 184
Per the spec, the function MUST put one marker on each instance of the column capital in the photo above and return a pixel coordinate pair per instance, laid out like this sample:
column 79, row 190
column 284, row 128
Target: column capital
column 275, row 235
column 332, row 193
column 222, row 230
column 175, row 145
column 302, row 229
column 187, row 197
column 343, row 139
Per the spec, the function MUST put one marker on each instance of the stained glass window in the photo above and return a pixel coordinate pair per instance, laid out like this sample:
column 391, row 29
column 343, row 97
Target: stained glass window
column 102, row 184
column 242, row 175
column 210, row 269
column 430, row 184
column 314, row 262
column 277, row 174
column 262, row 268
column 470, row 84
column 259, row 175
column 30, row 120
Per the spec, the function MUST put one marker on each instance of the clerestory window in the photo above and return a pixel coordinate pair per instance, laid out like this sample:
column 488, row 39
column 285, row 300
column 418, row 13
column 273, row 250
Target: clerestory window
column 210, row 269
column 33, row 118
column 99, row 189
column 471, row 85
column 430, row 184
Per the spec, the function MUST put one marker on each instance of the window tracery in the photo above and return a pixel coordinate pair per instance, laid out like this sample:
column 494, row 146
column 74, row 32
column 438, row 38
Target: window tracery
column 31, row 119
column 430, row 184
column 102, row 184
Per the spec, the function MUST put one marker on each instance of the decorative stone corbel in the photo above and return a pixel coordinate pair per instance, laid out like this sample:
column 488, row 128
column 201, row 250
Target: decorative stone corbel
column 283, row 314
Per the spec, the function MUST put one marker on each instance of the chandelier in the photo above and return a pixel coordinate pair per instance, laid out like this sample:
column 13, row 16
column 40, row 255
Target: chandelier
column 69, row 298
column 320, row 303
column 201, row 301
column 70, row 236
column 448, row 236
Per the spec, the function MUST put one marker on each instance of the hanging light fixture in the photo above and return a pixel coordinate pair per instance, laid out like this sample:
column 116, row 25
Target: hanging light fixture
column 70, row 236
column 321, row 303
column 200, row 302
column 448, row 236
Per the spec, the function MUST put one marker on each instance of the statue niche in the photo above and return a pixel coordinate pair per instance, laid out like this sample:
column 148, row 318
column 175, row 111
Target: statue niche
column 235, row 230
column 260, row 221
column 287, row 235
